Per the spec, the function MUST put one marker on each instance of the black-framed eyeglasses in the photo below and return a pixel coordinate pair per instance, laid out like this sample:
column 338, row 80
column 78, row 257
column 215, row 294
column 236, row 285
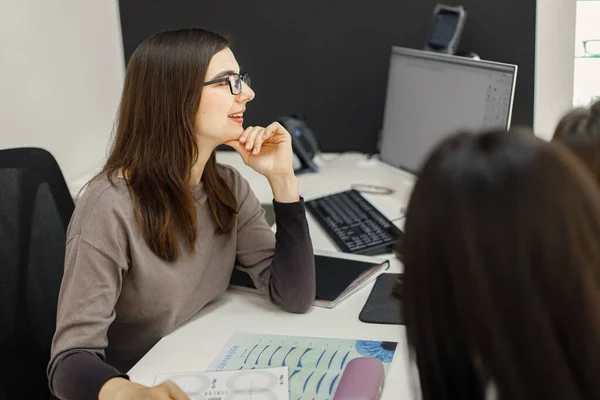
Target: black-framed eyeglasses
column 234, row 80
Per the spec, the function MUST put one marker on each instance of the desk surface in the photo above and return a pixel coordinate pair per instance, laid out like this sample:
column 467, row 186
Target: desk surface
column 193, row 346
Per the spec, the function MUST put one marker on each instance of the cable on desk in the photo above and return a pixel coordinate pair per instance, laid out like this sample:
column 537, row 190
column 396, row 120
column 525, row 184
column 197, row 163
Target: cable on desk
column 403, row 211
column 325, row 158
column 371, row 189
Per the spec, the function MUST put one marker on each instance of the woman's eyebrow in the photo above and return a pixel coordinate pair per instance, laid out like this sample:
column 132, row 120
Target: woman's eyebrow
column 223, row 74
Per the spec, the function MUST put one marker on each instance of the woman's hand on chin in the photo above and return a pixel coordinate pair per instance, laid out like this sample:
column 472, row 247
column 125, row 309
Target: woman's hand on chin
column 268, row 150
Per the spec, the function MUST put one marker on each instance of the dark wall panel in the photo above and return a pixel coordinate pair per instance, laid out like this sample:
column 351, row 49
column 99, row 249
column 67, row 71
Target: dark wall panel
column 328, row 59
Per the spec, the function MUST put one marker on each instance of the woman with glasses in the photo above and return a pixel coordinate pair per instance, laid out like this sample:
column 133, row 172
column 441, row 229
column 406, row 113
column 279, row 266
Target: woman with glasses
column 157, row 234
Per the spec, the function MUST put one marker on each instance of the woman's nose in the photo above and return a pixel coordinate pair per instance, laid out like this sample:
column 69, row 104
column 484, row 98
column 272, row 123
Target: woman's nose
column 246, row 94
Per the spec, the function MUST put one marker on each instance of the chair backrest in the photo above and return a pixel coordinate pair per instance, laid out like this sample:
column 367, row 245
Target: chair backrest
column 35, row 209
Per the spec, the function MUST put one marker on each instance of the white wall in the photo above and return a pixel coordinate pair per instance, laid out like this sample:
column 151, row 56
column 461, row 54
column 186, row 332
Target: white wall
column 61, row 74
column 554, row 64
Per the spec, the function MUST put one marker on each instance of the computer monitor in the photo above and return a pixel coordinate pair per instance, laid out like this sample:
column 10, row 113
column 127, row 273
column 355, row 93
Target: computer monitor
column 432, row 95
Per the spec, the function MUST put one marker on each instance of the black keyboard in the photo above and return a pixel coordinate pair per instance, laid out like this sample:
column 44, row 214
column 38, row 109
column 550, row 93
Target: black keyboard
column 354, row 224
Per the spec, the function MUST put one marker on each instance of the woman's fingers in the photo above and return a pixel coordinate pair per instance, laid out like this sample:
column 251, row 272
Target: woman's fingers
column 244, row 135
column 273, row 128
column 252, row 134
column 260, row 139
column 254, row 137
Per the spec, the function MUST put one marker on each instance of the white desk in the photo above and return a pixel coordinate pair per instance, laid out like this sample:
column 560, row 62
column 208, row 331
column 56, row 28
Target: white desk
column 193, row 346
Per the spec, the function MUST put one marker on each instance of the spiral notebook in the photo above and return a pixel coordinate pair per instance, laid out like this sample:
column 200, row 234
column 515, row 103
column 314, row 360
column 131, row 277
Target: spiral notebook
column 338, row 276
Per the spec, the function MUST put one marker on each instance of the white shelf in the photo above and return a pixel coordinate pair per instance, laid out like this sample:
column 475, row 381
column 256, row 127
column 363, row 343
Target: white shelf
column 586, row 79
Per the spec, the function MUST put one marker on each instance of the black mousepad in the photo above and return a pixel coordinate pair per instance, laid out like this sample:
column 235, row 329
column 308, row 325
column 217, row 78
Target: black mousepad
column 382, row 306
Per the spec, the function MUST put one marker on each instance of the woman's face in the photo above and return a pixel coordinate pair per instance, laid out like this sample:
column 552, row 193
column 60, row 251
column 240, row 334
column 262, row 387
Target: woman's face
column 220, row 113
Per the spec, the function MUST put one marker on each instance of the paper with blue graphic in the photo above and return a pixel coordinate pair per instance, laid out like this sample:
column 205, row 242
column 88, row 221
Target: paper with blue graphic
column 315, row 365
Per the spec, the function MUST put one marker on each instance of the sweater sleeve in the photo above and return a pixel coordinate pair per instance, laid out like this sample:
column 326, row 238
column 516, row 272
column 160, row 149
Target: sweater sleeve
column 95, row 260
column 280, row 264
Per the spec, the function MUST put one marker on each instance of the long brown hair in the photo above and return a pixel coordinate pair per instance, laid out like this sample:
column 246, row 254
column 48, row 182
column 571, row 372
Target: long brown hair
column 579, row 130
column 502, row 270
column 155, row 144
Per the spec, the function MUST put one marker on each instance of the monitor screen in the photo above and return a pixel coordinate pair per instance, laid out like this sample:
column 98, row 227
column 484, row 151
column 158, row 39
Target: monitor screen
column 432, row 95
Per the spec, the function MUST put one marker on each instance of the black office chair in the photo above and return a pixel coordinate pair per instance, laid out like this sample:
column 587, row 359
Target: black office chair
column 35, row 209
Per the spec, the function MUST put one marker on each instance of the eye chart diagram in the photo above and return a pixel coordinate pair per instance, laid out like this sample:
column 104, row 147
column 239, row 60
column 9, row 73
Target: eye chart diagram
column 315, row 365
column 257, row 384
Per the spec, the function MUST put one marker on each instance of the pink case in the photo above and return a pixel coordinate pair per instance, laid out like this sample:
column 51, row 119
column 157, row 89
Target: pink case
column 362, row 379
